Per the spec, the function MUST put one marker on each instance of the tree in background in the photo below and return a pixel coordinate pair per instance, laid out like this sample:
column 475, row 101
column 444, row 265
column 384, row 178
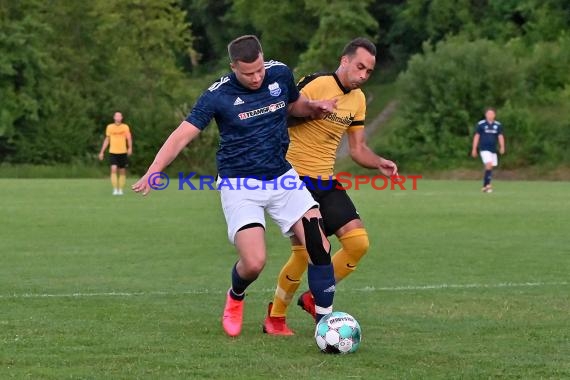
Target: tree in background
column 447, row 88
column 67, row 66
column 284, row 27
column 211, row 31
column 139, row 41
column 65, row 130
column 417, row 21
column 339, row 22
column 26, row 73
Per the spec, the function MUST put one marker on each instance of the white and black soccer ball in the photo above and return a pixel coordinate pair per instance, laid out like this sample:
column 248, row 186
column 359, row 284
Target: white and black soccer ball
column 338, row 333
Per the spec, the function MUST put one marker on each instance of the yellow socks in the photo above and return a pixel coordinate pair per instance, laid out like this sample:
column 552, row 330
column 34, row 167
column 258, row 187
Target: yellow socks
column 122, row 180
column 289, row 280
column 114, row 180
column 354, row 246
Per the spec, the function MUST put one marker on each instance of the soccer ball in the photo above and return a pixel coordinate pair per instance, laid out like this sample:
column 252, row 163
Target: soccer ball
column 338, row 333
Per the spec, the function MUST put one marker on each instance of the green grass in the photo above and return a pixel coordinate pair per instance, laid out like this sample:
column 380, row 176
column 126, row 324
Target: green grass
column 80, row 170
column 95, row 286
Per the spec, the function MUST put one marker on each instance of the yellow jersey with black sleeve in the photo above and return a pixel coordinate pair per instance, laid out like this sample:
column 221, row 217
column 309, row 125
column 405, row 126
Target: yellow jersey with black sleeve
column 117, row 134
column 313, row 146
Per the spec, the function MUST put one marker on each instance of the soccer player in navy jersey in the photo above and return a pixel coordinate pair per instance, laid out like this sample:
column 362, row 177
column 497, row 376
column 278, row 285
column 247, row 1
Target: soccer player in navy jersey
column 487, row 133
column 250, row 106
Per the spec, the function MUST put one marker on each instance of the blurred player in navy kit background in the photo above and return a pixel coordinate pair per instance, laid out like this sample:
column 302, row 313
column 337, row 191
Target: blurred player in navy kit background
column 488, row 132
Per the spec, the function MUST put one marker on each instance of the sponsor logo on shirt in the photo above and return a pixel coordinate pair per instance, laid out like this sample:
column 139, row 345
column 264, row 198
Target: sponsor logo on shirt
column 344, row 120
column 274, row 89
column 262, row 111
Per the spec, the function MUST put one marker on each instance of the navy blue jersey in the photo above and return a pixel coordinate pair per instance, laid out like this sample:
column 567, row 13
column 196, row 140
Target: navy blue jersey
column 488, row 135
column 252, row 123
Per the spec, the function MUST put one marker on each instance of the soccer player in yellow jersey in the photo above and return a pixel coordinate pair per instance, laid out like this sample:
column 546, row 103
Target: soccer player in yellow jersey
column 118, row 139
column 312, row 153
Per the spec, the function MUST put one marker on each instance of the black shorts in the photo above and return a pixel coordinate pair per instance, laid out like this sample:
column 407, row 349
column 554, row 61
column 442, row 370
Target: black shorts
column 336, row 206
column 121, row 160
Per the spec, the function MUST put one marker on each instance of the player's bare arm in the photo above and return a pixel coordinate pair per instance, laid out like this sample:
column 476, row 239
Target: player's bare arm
column 103, row 148
column 129, row 144
column 365, row 157
column 501, row 144
column 177, row 140
column 475, row 145
column 316, row 109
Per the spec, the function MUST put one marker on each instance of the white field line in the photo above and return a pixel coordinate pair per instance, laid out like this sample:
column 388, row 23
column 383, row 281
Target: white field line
column 365, row 289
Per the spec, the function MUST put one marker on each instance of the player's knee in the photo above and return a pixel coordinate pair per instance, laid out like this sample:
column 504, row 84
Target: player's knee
column 356, row 243
column 253, row 266
column 295, row 241
column 318, row 254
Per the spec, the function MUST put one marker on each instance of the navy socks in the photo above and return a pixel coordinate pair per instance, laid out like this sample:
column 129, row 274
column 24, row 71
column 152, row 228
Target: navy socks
column 322, row 285
column 487, row 178
column 239, row 285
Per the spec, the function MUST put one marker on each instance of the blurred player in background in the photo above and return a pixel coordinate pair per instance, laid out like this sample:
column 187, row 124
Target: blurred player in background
column 487, row 133
column 250, row 106
column 118, row 139
column 312, row 153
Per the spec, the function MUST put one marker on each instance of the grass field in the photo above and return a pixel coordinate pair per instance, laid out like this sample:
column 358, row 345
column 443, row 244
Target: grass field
column 457, row 285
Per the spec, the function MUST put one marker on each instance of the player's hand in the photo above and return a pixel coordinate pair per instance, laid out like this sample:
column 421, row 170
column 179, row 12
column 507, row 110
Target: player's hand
column 502, row 150
column 142, row 186
column 474, row 153
column 322, row 108
column 388, row 168
column 129, row 152
column 100, row 156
